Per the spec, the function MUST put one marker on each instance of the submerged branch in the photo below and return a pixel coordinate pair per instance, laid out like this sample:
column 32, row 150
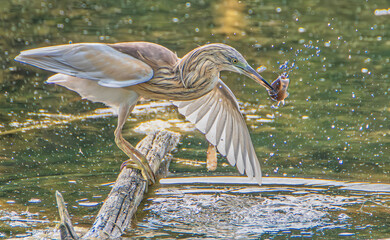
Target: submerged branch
column 66, row 227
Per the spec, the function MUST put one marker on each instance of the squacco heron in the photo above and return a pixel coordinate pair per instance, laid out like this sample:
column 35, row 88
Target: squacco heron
column 118, row 75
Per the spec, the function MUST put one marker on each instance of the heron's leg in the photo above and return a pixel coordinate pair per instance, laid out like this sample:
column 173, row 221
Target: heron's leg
column 137, row 160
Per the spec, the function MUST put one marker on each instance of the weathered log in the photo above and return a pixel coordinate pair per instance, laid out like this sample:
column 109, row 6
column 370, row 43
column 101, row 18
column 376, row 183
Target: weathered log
column 127, row 193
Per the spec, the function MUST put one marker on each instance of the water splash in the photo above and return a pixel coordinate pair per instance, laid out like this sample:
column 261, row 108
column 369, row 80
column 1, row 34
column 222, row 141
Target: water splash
column 233, row 210
column 300, row 56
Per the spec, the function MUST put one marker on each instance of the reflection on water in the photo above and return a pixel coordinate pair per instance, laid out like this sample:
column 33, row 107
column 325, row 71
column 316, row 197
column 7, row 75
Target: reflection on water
column 286, row 207
column 229, row 17
column 358, row 186
column 334, row 124
column 235, row 208
column 243, row 217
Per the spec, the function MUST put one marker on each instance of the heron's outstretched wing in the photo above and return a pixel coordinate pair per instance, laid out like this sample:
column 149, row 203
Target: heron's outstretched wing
column 217, row 115
column 93, row 61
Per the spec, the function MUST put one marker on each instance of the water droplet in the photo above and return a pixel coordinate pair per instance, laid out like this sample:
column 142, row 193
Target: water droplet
column 346, row 234
column 34, row 200
column 343, row 216
column 381, row 12
column 261, row 69
column 88, row 204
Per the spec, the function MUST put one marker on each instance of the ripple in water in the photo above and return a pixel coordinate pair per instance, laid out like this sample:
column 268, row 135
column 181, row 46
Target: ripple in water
column 240, row 216
column 247, row 212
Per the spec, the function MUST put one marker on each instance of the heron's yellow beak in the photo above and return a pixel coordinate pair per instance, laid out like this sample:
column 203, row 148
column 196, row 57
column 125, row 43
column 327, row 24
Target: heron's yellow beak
column 250, row 72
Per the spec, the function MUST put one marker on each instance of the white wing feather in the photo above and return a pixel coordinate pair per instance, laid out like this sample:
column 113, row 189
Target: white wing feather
column 217, row 115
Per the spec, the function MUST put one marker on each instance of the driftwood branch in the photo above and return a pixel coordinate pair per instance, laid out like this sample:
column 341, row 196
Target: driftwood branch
column 66, row 227
column 127, row 193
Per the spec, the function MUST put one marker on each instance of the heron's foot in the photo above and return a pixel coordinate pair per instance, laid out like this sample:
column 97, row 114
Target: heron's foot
column 147, row 175
column 137, row 160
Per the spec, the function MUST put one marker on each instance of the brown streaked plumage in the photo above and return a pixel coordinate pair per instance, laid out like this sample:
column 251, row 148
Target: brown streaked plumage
column 119, row 74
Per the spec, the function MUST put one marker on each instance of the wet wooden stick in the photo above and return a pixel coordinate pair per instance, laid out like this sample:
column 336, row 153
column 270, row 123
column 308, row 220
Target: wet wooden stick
column 127, row 193
column 66, row 227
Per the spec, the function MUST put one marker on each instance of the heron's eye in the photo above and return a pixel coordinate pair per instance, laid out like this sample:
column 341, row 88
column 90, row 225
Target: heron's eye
column 234, row 60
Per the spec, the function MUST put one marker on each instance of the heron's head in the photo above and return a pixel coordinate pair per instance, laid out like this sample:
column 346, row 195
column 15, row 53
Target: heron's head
column 229, row 59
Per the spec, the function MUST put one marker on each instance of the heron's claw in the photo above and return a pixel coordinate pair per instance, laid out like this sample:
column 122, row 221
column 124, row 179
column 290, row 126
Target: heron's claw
column 137, row 160
column 129, row 164
column 147, row 175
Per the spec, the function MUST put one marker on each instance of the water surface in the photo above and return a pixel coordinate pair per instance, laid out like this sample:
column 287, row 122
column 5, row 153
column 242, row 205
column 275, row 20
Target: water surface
column 334, row 125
